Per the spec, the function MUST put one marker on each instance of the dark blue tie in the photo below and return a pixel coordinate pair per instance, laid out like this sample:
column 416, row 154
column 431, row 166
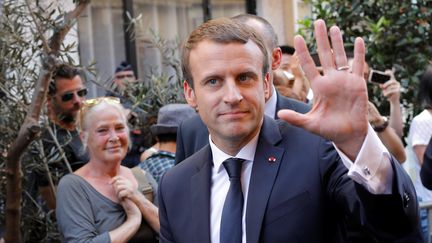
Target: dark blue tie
column 231, row 223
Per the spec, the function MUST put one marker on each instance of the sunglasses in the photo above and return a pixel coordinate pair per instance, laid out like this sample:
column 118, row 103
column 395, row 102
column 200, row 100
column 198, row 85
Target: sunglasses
column 88, row 104
column 69, row 95
column 108, row 99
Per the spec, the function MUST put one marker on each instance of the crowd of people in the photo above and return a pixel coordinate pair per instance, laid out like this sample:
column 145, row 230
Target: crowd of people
column 273, row 145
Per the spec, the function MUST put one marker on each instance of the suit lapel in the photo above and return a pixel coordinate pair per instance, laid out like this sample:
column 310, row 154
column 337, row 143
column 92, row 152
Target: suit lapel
column 282, row 103
column 200, row 201
column 264, row 170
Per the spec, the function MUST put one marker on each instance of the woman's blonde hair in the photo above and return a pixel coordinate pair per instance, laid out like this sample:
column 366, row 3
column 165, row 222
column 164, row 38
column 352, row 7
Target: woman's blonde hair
column 92, row 105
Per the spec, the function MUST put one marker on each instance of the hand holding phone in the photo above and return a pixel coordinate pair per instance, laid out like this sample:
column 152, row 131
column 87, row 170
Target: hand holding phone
column 378, row 77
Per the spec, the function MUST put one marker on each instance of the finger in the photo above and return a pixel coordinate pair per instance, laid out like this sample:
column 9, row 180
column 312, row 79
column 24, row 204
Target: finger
column 391, row 73
column 292, row 117
column 304, row 58
column 387, row 84
column 115, row 179
column 324, row 50
column 338, row 47
column 359, row 57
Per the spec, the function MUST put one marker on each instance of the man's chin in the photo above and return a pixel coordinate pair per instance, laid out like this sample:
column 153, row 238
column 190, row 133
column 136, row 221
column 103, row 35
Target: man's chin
column 68, row 118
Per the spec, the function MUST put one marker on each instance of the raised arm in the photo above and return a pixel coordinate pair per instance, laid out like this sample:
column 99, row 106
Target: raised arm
column 339, row 111
column 391, row 90
column 386, row 134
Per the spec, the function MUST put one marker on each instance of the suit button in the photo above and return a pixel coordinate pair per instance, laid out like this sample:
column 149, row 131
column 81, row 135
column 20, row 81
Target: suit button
column 406, row 199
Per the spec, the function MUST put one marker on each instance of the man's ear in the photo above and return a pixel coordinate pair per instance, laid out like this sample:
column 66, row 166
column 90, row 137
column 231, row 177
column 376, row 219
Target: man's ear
column 189, row 94
column 276, row 58
column 49, row 101
column 267, row 86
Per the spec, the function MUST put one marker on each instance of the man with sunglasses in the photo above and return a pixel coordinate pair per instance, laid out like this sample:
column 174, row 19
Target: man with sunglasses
column 62, row 148
column 65, row 96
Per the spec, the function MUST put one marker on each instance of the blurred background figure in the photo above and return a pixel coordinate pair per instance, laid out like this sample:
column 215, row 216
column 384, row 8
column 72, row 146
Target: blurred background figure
column 62, row 147
column 165, row 131
column 123, row 81
column 420, row 133
column 123, row 76
column 289, row 79
column 287, row 54
column 389, row 130
column 101, row 201
column 419, row 163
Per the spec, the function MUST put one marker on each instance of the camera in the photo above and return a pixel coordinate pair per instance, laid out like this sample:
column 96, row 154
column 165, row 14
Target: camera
column 378, row 77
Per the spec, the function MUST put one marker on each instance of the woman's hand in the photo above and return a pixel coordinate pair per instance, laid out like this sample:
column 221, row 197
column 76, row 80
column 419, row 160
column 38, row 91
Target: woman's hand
column 391, row 90
column 133, row 221
column 125, row 189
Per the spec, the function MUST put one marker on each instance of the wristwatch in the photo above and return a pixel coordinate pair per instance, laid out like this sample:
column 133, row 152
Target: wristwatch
column 383, row 126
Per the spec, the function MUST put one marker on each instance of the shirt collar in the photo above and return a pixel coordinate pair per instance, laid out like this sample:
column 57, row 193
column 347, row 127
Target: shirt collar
column 270, row 105
column 247, row 152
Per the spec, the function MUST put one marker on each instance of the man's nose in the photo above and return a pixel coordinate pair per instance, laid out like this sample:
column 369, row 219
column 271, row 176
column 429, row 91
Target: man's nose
column 77, row 99
column 232, row 92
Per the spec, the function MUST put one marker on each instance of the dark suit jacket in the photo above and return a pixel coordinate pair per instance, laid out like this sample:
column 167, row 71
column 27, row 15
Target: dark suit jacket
column 303, row 196
column 192, row 134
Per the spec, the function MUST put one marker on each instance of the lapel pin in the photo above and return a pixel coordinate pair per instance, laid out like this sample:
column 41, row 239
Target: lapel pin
column 271, row 159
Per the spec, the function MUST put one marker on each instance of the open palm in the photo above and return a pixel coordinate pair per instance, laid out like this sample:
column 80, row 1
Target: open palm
column 339, row 111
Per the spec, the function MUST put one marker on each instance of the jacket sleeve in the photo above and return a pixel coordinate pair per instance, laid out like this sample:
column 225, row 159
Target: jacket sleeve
column 386, row 217
column 180, row 154
column 165, row 230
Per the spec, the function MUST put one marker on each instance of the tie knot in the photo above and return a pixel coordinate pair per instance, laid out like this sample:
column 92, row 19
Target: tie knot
column 233, row 167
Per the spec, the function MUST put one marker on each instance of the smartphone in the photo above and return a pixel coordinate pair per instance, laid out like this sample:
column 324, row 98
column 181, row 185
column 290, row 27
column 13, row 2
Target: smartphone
column 378, row 77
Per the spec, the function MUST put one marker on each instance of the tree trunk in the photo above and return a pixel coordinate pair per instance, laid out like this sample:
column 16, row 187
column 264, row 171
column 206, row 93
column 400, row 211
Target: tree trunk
column 30, row 128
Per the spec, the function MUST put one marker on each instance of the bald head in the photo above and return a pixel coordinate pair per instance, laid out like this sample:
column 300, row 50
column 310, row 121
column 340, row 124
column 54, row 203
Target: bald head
column 262, row 26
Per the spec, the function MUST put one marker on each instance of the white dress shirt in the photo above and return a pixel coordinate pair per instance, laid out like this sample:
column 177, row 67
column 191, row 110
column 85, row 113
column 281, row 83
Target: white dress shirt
column 270, row 105
column 372, row 169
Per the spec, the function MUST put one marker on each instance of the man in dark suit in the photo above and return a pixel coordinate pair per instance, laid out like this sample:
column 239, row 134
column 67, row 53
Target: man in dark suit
column 192, row 134
column 295, row 185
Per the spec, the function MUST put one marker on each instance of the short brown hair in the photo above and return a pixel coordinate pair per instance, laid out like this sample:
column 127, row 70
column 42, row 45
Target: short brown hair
column 225, row 31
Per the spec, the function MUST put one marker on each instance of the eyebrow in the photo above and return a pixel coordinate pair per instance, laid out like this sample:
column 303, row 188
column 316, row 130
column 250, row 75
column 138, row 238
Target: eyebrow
column 250, row 73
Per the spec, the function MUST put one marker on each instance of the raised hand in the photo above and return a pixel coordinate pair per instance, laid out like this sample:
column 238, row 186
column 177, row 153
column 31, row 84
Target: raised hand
column 391, row 90
column 339, row 111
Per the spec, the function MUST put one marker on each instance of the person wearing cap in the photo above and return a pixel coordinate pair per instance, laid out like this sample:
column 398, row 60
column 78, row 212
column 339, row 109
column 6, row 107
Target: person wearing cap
column 123, row 77
column 169, row 118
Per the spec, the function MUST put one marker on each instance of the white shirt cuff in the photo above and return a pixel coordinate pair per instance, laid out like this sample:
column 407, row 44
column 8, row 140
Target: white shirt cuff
column 372, row 167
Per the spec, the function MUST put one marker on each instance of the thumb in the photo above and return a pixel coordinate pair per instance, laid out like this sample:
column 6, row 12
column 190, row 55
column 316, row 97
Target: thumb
column 292, row 117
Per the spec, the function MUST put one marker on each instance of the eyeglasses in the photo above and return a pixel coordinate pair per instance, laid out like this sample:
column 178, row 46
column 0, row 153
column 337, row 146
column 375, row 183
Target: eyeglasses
column 69, row 95
column 122, row 76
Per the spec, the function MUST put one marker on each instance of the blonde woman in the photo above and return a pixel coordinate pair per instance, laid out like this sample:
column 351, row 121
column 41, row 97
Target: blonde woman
column 101, row 202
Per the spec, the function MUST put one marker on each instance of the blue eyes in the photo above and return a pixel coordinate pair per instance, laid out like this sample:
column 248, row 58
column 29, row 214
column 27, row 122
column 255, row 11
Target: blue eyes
column 241, row 78
column 212, row 81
